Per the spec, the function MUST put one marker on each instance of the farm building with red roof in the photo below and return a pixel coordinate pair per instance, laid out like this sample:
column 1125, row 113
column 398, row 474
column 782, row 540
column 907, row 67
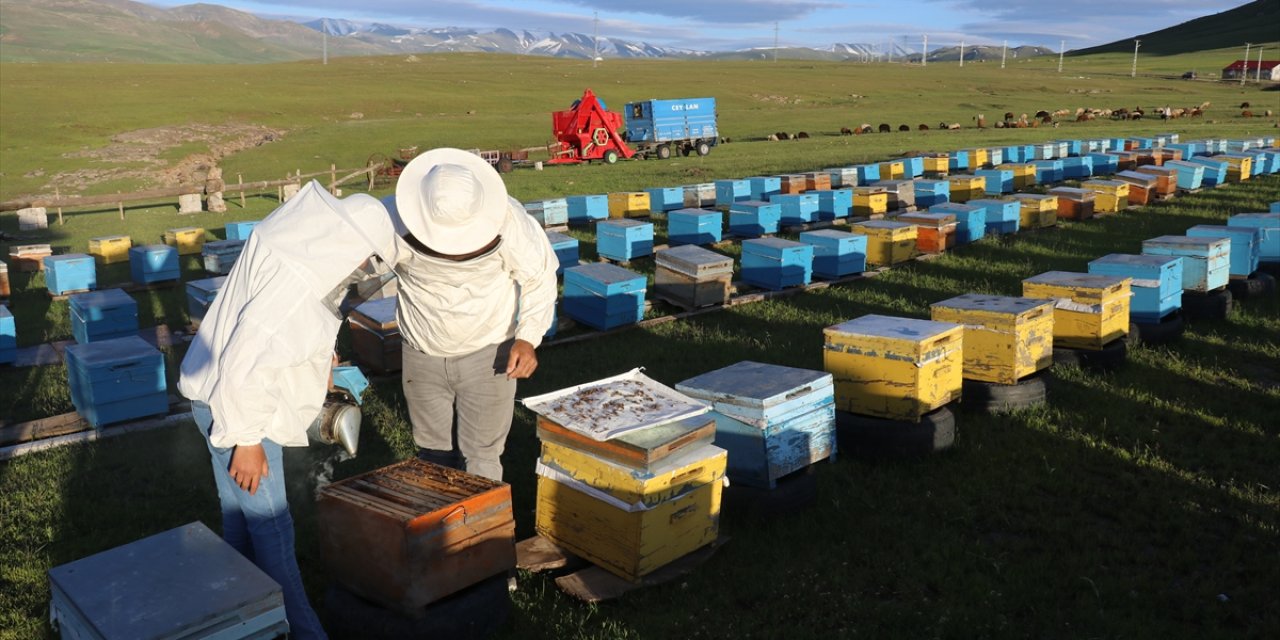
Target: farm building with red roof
column 1270, row 69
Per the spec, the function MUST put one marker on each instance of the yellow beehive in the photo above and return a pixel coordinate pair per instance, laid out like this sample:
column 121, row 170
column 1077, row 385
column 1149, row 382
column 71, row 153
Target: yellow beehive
column 892, row 170
column 897, row 368
column 1090, row 311
column 1108, row 203
column 110, row 249
column 870, row 201
column 629, row 204
column 637, row 521
column 888, row 242
column 966, row 187
column 1024, row 175
column 1005, row 338
column 1239, row 168
column 978, row 158
column 1113, row 195
column 937, row 166
column 1036, row 211
column 188, row 240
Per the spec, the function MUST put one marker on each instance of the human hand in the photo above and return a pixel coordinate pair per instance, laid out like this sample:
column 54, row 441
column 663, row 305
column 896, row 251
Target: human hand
column 522, row 362
column 248, row 466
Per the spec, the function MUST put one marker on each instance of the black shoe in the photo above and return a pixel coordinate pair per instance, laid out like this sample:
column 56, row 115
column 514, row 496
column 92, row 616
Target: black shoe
column 443, row 458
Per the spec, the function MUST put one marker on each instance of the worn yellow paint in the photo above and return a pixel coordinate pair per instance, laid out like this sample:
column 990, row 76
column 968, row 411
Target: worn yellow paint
column 1036, row 211
column 629, row 485
column 629, row 204
column 965, row 187
column 1002, row 346
column 1024, row 174
column 978, row 158
column 888, row 246
column 900, row 379
column 1238, row 168
column 188, row 240
column 110, row 249
column 870, row 203
column 1109, row 203
column 892, row 170
column 1118, row 188
column 1105, row 319
column 939, row 165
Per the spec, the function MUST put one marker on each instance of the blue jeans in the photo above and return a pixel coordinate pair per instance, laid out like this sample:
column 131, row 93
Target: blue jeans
column 260, row 527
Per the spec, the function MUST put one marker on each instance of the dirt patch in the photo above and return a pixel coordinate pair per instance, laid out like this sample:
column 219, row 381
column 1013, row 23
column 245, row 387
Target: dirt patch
column 138, row 155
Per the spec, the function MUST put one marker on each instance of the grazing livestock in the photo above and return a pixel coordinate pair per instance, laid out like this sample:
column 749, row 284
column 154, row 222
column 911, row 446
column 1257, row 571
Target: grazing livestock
column 1008, row 115
column 923, row 127
column 999, row 125
column 783, row 135
column 904, row 127
column 1042, row 114
column 1244, row 105
column 1246, row 113
column 954, row 126
column 773, row 137
column 885, row 128
column 865, row 128
column 1046, row 120
column 982, row 121
column 846, row 131
column 801, row 135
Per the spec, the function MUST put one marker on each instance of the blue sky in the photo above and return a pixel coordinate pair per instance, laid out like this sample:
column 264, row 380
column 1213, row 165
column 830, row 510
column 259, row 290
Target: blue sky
column 737, row 24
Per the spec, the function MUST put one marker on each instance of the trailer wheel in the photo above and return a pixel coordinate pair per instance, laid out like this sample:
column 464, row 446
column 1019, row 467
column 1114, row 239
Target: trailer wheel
column 611, row 157
column 505, row 164
column 703, row 148
column 664, row 151
column 685, row 150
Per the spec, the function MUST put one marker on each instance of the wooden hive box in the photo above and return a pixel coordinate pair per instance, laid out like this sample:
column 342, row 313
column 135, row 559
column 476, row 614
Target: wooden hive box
column 1049, row 171
column 110, row 249
column 902, row 193
column 565, row 248
column 1036, row 211
column 888, row 242
column 1002, row 215
column 935, row 231
column 29, row 257
column 8, row 336
column 1141, row 189
column 772, row 420
column 841, row 177
column 1074, row 203
column 220, row 255
column 692, row 277
column 965, row 187
column 1268, row 226
column 103, row 315
column 1156, row 285
column 1242, row 247
column 764, row 187
column 69, row 273
column 375, row 335
column 1019, row 153
column 1205, row 261
column 971, row 219
column 913, row 167
column 1163, row 156
column 958, row 161
column 186, row 582
column 624, row 240
column 1005, row 339
column 930, row 192
column 4, row 279
column 996, row 182
column 792, row 184
column 240, row 230
column 1125, row 160
column 1044, row 151
column 630, row 522
column 1166, row 178
column 836, row 253
column 1103, row 164
column 834, row 203
column 1239, row 166
column 1024, row 174
column 978, row 158
column 700, row 195
column 868, row 174
column 995, row 156
column 731, row 191
column 663, row 199
column 818, row 180
column 200, row 294
column 754, row 218
column 892, row 170
column 1112, row 195
column 775, row 263
column 150, row 263
column 188, row 240
column 1190, row 174
column 585, row 209
column 1090, row 311
column 603, row 296
column 1145, row 155
column 411, row 533
column 797, row 208
column 116, row 380
column 639, row 448
column 629, row 204
column 870, row 201
column 694, row 226
column 896, row 368
column 1215, row 171
column 1077, row 167
column 549, row 213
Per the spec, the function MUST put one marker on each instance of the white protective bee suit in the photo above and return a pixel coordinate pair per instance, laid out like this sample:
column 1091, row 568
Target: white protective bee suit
column 262, row 357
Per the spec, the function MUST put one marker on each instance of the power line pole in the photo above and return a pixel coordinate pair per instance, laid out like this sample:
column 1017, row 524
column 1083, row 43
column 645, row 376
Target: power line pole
column 1003, row 50
column 595, row 38
column 962, row 53
column 1062, row 47
column 775, row 42
column 1244, row 69
column 324, row 38
column 1133, row 73
column 1259, row 63
column 924, row 55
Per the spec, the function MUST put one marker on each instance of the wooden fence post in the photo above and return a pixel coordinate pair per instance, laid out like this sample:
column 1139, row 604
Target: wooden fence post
column 121, row 207
column 333, row 178
column 57, row 193
column 240, row 180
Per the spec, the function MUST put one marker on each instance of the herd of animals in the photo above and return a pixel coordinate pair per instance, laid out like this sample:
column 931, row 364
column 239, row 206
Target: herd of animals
column 1048, row 118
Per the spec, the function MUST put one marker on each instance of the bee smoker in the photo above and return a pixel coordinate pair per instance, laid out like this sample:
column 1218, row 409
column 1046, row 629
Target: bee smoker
column 340, row 417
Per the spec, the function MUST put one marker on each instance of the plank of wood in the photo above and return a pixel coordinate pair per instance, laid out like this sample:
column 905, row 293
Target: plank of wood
column 594, row 584
column 538, row 554
column 42, row 428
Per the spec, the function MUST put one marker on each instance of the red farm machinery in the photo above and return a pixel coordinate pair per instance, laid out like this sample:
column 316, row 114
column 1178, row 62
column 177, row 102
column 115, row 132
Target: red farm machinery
column 588, row 131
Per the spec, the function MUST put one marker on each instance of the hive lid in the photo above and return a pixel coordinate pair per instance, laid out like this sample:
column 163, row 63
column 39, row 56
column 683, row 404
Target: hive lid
column 208, row 284
column 771, row 243
column 1188, row 241
column 620, row 223
column 755, row 384
column 834, row 234
column 604, row 272
column 382, row 311
column 424, row 495
column 607, row 408
column 113, row 351
column 693, row 260
column 1073, row 279
column 104, row 298
column 1141, row 260
column 996, row 304
column 555, row 237
column 892, row 327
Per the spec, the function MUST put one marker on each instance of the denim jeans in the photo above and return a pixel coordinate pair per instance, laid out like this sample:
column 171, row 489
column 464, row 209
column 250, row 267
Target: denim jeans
column 260, row 527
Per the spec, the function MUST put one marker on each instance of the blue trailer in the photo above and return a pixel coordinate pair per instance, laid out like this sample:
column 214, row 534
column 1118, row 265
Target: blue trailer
column 659, row 128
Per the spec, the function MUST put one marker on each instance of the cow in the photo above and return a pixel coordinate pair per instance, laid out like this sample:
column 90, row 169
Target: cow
column 846, row 131
column 904, row 127
column 801, row 135
column 885, row 128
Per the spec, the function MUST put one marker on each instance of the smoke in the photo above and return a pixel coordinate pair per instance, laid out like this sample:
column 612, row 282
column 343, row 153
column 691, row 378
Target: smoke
column 323, row 467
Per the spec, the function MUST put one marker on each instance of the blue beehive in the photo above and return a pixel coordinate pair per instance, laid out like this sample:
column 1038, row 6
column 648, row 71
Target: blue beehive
column 913, row 166
column 1156, row 286
column 624, row 239
column 1215, row 171
column 566, row 249
column 836, row 203
column 1140, row 143
column 1069, row 148
column 1274, row 207
column 1077, row 167
column 932, row 192
column 8, row 336
column 1002, row 216
column 116, row 380
column 798, row 208
column 999, row 181
column 694, row 226
column 995, row 156
column 1205, row 261
column 1021, row 153
column 221, row 255
column 772, row 420
column 867, row 174
column 1104, row 164
column 971, row 219
column 836, row 253
column 1187, row 149
column 774, row 263
column 663, row 199
column 1243, row 246
column 753, row 218
column 103, row 315
column 200, row 294
column 584, row 209
column 1048, row 171
column 959, row 161
column 153, row 263
column 603, row 296
column 1116, row 144
column 549, row 213
column 731, row 191
column 1237, row 146
column 70, row 272
column 241, row 230
column 764, row 187
column 1190, row 174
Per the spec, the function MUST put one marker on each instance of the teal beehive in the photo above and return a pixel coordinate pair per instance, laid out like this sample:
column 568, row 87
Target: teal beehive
column 116, row 380
column 103, row 315
column 1205, row 261
column 1156, row 285
column 1243, row 247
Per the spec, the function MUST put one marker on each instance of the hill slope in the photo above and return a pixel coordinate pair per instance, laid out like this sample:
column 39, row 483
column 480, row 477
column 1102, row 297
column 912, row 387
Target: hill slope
column 1258, row 21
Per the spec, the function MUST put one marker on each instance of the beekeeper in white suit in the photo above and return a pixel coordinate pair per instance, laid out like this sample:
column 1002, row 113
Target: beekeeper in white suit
column 257, row 372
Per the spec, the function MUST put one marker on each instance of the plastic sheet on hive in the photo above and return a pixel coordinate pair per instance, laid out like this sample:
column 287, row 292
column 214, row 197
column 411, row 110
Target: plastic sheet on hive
column 613, row 406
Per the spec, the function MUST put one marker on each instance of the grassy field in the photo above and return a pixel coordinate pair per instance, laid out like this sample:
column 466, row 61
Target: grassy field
column 1139, row 503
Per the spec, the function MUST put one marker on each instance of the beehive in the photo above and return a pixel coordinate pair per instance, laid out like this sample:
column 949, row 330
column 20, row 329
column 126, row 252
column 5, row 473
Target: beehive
column 892, row 170
column 1239, row 166
column 959, row 161
column 870, row 201
column 913, row 167
column 700, row 195
column 1205, row 261
column 792, row 184
column 935, row 231
column 775, row 263
column 409, row 534
column 978, row 158
column 1215, row 171
column 692, row 276
column 731, row 191
column 629, row 204
column 116, row 380
column 1077, row 167
column 603, row 296
column 754, row 218
column 1104, row 164
column 694, row 226
column 1024, row 174
column 1002, row 215
column 565, row 248
column 1141, row 188
column 1049, row 171
column 8, row 336
column 1145, row 156
column 627, row 521
column 1111, row 195
column 1036, row 211
column 69, row 273
column 1242, row 246
column 29, row 257
column 996, row 181
column 153, row 263
column 797, row 208
column 897, row 368
column 888, row 242
column 835, row 203
column 188, row 240
column 103, row 315
column 1005, row 338
column 840, row 177
column 1156, row 285
column 1166, row 178
column 932, row 192
column 1268, row 226
column 200, row 294
column 868, row 174
column 815, row 181
column 220, row 255
column 585, row 209
column 902, row 193
column 663, row 199
column 624, row 240
column 971, row 219
column 553, row 212
column 375, row 335
column 240, row 230
column 772, row 420
column 110, row 249
column 1190, row 174
column 995, row 156
column 1090, row 311
column 1073, row 203
column 765, row 187
column 836, row 253
column 966, row 187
